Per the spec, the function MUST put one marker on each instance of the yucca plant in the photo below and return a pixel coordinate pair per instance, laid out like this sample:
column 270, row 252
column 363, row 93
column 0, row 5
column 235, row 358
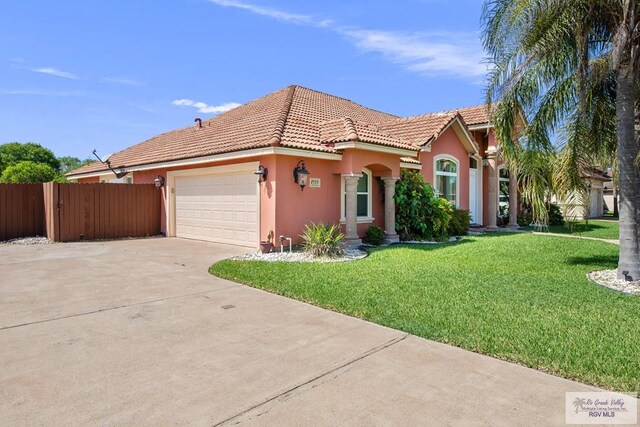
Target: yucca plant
column 323, row 240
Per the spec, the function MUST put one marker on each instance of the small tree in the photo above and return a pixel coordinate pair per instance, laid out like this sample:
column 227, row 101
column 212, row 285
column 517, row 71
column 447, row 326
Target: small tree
column 28, row 171
column 15, row 152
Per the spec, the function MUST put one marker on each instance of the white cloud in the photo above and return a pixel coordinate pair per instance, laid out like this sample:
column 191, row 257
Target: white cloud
column 280, row 15
column 55, row 72
column 428, row 53
column 122, row 81
column 441, row 53
column 43, row 92
column 205, row 108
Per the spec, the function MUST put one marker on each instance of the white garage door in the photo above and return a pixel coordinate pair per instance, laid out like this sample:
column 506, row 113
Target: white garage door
column 218, row 208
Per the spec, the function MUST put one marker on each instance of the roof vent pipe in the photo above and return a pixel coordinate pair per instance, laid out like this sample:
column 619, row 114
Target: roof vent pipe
column 198, row 120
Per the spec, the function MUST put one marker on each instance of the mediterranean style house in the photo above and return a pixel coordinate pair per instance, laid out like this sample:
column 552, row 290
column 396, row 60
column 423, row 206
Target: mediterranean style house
column 298, row 155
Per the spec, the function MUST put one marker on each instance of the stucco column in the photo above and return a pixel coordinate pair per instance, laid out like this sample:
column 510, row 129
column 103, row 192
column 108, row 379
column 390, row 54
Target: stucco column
column 390, row 235
column 351, row 210
column 492, row 209
column 513, row 200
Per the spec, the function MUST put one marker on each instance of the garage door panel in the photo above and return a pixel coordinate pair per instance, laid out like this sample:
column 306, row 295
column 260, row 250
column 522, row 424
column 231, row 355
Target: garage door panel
column 220, row 208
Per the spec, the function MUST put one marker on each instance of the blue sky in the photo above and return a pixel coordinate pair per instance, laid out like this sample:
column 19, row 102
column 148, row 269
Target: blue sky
column 76, row 75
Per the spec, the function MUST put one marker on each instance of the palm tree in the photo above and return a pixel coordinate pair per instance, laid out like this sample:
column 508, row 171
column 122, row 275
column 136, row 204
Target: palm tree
column 570, row 67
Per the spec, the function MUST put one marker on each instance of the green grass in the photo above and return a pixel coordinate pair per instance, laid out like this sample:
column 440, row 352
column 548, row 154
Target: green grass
column 594, row 228
column 518, row 297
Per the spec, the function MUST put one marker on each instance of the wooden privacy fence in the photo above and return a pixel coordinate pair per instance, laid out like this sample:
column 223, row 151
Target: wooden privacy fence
column 21, row 211
column 73, row 212
column 101, row 211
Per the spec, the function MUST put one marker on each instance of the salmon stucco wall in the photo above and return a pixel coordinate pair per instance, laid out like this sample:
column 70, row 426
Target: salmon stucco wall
column 448, row 143
column 295, row 207
column 148, row 177
column 268, row 190
column 381, row 164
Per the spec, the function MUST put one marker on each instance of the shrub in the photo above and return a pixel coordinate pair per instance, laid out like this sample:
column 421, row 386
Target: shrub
column 28, row 171
column 555, row 214
column 502, row 216
column 459, row 224
column 440, row 218
column 374, row 235
column 323, row 240
column 525, row 218
column 419, row 213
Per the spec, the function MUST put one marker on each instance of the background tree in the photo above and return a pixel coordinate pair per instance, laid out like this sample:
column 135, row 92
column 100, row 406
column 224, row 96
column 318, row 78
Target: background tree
column 28, row 171
column 69, row 163
column 15, row 152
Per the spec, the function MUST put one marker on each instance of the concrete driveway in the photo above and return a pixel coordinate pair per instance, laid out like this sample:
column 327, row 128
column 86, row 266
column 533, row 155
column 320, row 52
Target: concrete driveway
column 138, row 333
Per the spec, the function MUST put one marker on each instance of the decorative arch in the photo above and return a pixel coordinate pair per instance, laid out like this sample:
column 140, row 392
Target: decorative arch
column 365, row 184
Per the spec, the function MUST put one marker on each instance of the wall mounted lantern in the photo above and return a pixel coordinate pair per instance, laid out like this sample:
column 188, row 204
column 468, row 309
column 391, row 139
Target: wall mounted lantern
column 300, row 174
column 485, row 162
column 262, row 173
column 159, row 181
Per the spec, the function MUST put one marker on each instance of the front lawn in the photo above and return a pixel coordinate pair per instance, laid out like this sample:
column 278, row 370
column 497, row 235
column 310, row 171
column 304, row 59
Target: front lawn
column 594, row 228
column 518, row 297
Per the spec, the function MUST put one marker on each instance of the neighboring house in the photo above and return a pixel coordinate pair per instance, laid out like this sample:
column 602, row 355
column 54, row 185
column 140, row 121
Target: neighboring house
column 609, row 192
column 597, row 182
column 353, row 156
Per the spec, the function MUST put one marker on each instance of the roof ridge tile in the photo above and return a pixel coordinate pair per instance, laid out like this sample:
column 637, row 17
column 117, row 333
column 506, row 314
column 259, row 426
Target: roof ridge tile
column 281, row 122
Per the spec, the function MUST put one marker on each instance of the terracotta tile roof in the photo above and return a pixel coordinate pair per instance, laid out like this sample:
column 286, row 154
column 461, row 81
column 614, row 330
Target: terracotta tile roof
column 289, row 117
column 345, row 129
column 476, row 115
column 294, row 117
column 410, row 160
column 419, row 130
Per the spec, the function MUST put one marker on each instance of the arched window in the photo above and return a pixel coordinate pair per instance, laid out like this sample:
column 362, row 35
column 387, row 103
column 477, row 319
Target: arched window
column 446, row 180
column 363, row 196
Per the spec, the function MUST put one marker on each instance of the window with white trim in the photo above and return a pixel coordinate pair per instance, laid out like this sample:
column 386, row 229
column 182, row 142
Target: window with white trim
column 446, row 179
column 363, row 196
column 503, row 187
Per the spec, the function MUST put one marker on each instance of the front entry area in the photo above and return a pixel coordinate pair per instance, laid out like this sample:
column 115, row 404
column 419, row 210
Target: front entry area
column 220, row 208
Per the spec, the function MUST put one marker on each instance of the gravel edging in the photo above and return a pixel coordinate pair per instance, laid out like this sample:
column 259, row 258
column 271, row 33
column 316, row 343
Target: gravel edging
column 608, row 279
column 349, row 255
column 37, row 240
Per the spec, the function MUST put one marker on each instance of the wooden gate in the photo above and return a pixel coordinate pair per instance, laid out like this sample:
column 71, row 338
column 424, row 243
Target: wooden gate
column 76, row 212
column 21, row 211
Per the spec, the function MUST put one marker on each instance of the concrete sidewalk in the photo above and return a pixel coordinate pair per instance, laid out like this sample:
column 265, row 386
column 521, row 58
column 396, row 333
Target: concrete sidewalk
column 138, row 333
